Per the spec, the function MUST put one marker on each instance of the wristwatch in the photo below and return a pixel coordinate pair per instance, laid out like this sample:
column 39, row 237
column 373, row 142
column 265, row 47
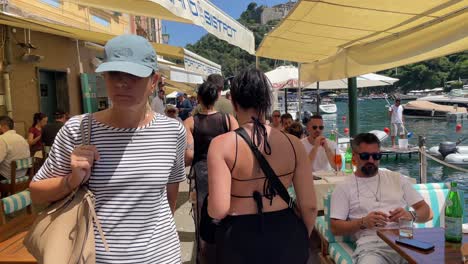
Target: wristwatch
column 413, row 215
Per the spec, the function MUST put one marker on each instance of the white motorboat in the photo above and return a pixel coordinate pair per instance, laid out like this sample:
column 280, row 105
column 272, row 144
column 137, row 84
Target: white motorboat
column 328, row 107
column 456, row 97
column 451, row 153
column 426, row 109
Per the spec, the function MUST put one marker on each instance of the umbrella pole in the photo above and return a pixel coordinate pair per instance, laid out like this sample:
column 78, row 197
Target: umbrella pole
column 318, row 98
column 285, row 100
column 352, row 99
column 299, row 93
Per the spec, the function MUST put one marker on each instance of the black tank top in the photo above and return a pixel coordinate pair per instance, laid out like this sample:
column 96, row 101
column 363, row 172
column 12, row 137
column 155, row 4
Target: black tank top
column 207, row 127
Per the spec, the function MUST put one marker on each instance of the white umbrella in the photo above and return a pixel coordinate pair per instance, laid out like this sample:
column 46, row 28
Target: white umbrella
column 365, row 80
column 284, row 77
column 288, row 76
column 172, row 95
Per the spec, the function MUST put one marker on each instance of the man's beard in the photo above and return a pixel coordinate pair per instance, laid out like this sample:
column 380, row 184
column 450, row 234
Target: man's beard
column 369, row 169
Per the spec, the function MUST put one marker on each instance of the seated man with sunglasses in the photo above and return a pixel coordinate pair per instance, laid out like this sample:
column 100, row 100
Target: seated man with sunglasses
column 321, row 151
column 373, row 199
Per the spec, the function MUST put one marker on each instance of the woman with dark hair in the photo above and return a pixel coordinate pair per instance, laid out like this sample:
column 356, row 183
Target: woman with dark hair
column 201, row 129
column 257, row 225
column 35, row 132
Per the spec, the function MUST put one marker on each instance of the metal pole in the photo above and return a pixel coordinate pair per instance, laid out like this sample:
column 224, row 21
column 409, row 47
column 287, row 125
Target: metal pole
column 422, row 160
column 285, row 100
column 318, row 98
column 299, row 94
column 257, row 62
column 352, row 99
column 6, row 71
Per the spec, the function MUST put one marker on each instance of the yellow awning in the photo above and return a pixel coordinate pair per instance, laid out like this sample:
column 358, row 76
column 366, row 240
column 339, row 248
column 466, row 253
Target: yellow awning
column 76, row 33
column 172, row 86
column 344, row 38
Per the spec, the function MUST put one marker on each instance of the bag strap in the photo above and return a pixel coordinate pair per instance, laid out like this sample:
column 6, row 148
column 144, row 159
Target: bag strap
column 86, row 135
column 267, row 170
column 225, row 122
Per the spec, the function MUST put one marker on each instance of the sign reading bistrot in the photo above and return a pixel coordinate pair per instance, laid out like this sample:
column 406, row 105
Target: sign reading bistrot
column 215, row 21
column 196, row 63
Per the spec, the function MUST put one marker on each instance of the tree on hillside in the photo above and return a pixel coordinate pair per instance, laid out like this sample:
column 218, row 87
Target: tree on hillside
column 233, row 59
column 432, row 73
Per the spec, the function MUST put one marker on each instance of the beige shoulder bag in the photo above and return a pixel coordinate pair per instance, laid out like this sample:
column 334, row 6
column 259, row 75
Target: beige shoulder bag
column 64, row 232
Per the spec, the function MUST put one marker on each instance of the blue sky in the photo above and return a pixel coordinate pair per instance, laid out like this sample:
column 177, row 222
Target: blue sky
column 182, row 34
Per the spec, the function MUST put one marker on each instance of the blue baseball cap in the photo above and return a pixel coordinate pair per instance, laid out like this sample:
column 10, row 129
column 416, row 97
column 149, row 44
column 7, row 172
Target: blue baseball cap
column 131, row 54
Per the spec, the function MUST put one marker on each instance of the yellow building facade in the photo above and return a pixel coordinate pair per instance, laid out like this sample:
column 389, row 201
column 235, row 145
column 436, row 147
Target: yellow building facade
column 41, row 72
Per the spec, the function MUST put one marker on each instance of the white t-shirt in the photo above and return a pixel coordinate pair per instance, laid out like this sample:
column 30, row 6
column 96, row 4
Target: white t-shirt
column 395, row 191
column 12, row 147
column 158, row 105
column 397, row 114
column 321, row 161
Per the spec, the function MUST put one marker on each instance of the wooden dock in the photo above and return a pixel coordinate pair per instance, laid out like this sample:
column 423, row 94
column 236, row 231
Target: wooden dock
column 389, row 151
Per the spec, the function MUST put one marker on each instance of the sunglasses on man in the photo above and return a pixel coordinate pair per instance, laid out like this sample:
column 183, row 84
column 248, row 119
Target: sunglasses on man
column 367, row 155
column 319, row 127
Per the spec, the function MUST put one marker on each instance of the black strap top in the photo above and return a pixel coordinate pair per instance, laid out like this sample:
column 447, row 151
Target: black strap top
column 207, row 127
column 260, row 178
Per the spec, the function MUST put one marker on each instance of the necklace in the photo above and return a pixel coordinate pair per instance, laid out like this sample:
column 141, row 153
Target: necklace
column 378, row 191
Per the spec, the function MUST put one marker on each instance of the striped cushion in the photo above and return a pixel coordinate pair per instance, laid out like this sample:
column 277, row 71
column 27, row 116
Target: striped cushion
column 341, row 252
column 431, row 186
column 16, row 202
column 24, row 163
column 435, row 198
column 18, row 180
column 326, row 229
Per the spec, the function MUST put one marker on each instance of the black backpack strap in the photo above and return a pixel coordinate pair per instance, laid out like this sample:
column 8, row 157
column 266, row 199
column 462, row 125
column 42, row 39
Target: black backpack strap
column 226, row 125
column 267, row 170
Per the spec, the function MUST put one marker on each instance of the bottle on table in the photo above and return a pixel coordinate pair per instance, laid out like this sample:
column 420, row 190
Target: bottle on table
column 349, row 160
column 453, row 216
column 332, row 136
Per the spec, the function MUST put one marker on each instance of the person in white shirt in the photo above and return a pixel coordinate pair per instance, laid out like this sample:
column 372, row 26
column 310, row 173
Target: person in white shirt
column 276, row 119
column 12, row 147
column 373, row 199
column 158, row 102
column 396, row 115
column 321, row 151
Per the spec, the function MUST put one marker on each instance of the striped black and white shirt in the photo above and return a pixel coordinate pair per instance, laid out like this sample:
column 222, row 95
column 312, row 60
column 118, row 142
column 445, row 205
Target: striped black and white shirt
column 129, row 182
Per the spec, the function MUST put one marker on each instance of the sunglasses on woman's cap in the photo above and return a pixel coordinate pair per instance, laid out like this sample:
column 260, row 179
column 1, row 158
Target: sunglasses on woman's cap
column 367, row 155
column 319, row 127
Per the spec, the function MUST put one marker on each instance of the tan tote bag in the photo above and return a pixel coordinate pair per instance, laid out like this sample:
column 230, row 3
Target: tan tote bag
column 64, row 232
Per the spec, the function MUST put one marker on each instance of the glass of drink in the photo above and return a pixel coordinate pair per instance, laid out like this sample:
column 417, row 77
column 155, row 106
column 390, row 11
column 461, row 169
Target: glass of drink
column 338, row 163
column 405, row 227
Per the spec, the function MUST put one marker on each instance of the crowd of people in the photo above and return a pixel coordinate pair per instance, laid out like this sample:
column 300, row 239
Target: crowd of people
column 241, row 163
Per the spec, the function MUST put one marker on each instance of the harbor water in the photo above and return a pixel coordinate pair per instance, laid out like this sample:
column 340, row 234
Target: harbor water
column 373, row 115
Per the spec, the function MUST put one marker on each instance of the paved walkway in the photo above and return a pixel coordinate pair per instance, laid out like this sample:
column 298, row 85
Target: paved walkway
column 185, row 226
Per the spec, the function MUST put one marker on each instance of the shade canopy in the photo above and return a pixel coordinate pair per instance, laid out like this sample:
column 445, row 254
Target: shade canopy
column 202, row 13
column 344, row 38
column 288, row 77
column 76, row 33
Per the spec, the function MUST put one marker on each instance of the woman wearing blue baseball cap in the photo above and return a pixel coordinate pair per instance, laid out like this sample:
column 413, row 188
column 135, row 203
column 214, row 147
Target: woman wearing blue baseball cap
column 133, row 164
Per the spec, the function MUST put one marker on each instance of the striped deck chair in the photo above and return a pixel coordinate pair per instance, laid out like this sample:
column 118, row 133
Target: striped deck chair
column 17, row 184
column 14, row 203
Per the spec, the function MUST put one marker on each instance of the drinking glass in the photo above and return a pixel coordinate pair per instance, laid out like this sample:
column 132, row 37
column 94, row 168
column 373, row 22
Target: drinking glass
column 338, row 163
column 405, row 226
